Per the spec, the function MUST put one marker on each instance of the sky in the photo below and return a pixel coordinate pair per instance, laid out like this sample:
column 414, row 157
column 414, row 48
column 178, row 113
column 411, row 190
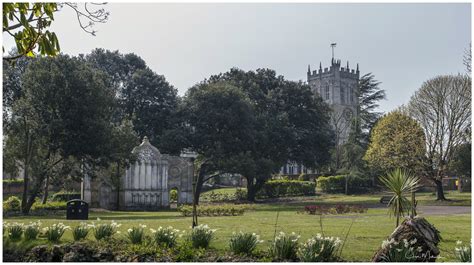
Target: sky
column 403, row 45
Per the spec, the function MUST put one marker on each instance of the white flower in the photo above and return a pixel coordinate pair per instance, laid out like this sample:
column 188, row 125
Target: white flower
column 459, row 242
column 413, row 241
column 405, row 243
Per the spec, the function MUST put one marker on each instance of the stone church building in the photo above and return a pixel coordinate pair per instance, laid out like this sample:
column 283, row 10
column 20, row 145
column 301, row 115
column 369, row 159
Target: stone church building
column 146, row 184
column 338, row 87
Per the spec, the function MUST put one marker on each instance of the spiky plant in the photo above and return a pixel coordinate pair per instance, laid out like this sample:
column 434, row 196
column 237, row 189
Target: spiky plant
column 400, row 182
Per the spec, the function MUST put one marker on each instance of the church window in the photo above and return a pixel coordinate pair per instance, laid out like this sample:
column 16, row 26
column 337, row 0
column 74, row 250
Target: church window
column 351, row 94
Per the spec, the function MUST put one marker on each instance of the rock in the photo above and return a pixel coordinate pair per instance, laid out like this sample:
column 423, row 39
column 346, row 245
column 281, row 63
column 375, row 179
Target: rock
column 39, row 254
column 78, row 252
column 419, row 234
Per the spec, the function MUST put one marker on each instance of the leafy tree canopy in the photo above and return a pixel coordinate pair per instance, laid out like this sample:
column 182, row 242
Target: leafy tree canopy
column 396, row 141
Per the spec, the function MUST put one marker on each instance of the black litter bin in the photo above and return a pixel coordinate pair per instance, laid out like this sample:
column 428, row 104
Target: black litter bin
column 77, row 210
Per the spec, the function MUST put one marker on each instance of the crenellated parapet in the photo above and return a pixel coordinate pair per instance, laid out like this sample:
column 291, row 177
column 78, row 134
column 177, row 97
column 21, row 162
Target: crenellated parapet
column 334, row 69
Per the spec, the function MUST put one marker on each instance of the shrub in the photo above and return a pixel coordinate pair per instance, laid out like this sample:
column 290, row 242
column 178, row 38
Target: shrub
column 55, row 232
column 331, row 184
column 463, row 252
column 173, row 195
column 338, row 209
column 14, row 230
column 284, row 247
column 10, row 181
column 201, row 236
column 185, row 252
column 214, row 210
column 282, row 188
column 240, row 194
column 12, row 204
column 104, row 231
column 80, row 232
column 166, row 237
column 49, row 206
column 135, row 234
column 32, row 230
column 337, row 184
column 400, row 251
column 319, row 249
column 244, row 243
column 65, row 196
column 359, row 184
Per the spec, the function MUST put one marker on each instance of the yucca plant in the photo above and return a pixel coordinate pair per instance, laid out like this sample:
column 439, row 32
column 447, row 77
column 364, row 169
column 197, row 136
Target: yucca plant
column 400, row 182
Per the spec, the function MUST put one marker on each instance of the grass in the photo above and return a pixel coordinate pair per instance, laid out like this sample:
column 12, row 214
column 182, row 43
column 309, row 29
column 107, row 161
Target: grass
column 455, row 198
column 366, row 235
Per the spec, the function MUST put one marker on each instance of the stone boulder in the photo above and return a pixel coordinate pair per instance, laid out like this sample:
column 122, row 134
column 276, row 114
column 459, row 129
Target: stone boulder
column 417, row 233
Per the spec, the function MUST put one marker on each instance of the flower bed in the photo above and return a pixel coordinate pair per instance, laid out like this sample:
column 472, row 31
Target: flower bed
column 338, row 209
column 214, row 210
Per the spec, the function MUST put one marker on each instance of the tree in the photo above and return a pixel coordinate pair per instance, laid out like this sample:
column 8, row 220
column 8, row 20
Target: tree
column 467, row 59
column 28, row 25
column 442, row 106
column 12, row 86
column 64, row 112
column 290, row 124
column 221, row 129
column 369, row 94
column 122, row 141
column 396, row 141
column 144, row 97
column 460, row 164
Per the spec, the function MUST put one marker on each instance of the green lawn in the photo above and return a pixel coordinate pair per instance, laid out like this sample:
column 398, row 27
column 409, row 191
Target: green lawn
column 455, row 198
column 367, row 233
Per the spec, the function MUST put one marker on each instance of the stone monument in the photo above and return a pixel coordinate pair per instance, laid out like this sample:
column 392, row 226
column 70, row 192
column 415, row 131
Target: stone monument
column 146, row 184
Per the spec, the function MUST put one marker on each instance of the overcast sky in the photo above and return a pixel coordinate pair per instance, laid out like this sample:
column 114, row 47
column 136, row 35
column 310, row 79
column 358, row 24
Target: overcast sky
column 402, row 44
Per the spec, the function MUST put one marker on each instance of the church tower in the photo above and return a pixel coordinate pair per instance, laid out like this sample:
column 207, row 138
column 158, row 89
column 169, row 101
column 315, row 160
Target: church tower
column 338, row 87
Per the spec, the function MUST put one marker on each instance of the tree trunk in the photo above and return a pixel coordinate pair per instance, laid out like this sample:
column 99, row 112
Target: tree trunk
column 346, row 188
column 46, row 189
column 439, row 190
column 24, row 199
column 32, row 197
column 426, row 235
column 117, row 187
column 253, row 188
column 251, row 191
column 199, row 183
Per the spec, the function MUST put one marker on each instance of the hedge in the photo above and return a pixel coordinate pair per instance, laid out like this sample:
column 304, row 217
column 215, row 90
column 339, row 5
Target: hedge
column 49, row 206
column 337, row 184
column 65, row 196
column 283, row 188
column 12, row 204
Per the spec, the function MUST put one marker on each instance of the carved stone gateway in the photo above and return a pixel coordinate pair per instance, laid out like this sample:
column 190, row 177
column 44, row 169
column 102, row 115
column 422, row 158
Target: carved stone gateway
column 146, row 184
